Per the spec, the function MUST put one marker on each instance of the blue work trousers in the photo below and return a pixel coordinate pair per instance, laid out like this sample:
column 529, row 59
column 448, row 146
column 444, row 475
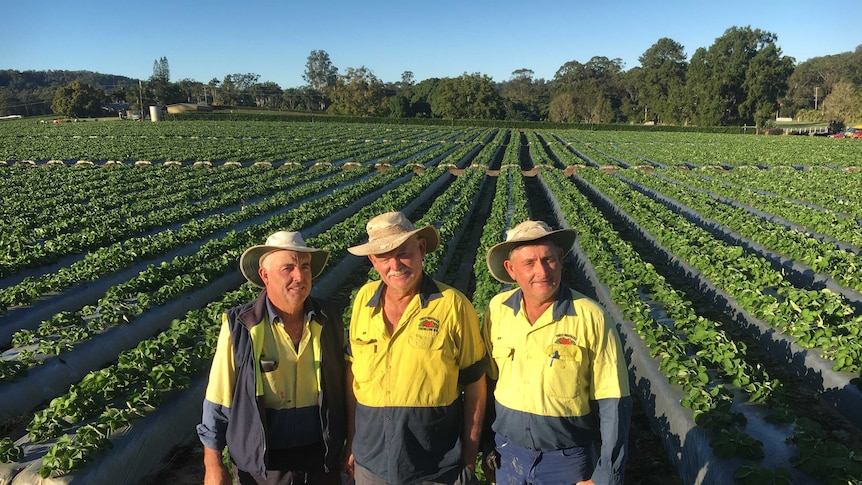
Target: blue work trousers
column 522, row 466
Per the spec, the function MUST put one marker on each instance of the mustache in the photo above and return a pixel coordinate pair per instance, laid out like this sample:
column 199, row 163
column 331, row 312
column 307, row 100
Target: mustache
column 400, row 272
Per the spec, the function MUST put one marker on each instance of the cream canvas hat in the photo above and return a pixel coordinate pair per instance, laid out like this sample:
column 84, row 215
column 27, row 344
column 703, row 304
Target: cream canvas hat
column 249, row 262
column 388, row 231
column 525, row 232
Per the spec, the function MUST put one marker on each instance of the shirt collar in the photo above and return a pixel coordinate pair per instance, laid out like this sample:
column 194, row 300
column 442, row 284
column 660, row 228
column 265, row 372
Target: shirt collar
column 428, row 291
column 563, row 305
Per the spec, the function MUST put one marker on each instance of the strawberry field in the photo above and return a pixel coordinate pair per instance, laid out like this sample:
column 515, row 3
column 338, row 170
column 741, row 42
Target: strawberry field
column 730, row 262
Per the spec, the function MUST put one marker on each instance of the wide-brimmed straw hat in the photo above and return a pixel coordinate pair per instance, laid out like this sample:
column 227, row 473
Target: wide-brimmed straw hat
column 249, row 262
column 388, row 231
column 525, row 232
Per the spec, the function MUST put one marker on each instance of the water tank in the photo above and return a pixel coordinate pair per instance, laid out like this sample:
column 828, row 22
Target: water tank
column 156, row 113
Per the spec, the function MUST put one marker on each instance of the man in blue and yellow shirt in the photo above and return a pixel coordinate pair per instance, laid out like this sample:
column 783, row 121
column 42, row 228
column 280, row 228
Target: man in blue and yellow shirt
column 556, row 356
column 414, row 343
column 275, row 395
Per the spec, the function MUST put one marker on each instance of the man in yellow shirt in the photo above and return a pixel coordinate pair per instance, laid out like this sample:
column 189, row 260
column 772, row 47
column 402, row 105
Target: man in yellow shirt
column 556, row 360
column 275, row 395
column 414, row 343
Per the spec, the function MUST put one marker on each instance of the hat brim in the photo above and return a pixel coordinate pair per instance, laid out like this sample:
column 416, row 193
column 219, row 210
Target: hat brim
column 386, row 244
column 249, row 262
column 564, row 238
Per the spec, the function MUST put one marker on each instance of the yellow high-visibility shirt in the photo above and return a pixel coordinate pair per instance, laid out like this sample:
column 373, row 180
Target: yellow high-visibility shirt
column 548, row 372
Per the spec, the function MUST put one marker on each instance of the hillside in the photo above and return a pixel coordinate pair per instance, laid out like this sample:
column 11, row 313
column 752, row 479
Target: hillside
column 31, row 92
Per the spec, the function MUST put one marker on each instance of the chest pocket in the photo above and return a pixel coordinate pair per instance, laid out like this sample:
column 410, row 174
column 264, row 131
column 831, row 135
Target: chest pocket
column 365, row 358
column 503, row 356
column 425, row 340
column 565, row 372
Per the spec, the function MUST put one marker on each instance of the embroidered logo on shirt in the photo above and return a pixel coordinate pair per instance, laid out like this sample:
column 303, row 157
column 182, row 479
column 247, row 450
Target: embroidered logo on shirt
column 430, row 324
column 565, row 339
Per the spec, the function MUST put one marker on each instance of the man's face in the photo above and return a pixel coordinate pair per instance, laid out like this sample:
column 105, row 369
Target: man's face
column 537, row 268
column 287, row 276
column 401, row 268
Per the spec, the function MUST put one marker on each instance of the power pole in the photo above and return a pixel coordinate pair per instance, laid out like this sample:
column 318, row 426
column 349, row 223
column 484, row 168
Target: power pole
column 815, row 98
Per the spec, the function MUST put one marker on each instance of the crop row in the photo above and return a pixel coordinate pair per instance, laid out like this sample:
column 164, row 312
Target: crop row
column 815, row 319
column 819, row 256
column 823, row 222
column 702, row 149
column 836, row 190
column 118, row 141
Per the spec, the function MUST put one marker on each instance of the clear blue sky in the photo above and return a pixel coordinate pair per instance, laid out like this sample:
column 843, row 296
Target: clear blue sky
column 437, row 38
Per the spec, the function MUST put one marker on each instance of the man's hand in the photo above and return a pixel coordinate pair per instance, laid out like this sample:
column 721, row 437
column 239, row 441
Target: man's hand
column 347, row 468
column 490, row 463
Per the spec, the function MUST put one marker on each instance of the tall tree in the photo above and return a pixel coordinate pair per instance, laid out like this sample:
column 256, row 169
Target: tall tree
column 562, row 108
column 358, row 92
column 192, row 91
column 301, row 98
column 78, row 100
column 212, row 92
column 422, row 95
column 9, row 103
column 267, row 94
column 721, row 79
column 765, row 83
column 662, row 80
column 469, row 96
column 844, row 103
column 631, row 83
column 320, row 74
column 161, row 70
column 586, row 90
column 159, row 82
column 239, row 89
column 524, row 97
column 813, row 80
column 407, row 79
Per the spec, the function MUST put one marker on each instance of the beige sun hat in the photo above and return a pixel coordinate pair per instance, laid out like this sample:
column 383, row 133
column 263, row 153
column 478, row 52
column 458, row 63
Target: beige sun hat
column 388, row 231
column 249, row 262
column 527, row 231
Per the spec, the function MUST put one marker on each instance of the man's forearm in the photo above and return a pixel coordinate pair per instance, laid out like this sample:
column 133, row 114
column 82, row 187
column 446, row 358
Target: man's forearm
column 351, row 407
column 215, row 471
column 347, row 466
column 475, row 396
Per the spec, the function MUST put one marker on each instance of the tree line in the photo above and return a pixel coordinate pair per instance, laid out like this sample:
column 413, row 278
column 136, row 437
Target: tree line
column 743, row 78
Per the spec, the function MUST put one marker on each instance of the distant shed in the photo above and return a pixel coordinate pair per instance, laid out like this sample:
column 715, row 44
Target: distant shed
column 186, row 107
